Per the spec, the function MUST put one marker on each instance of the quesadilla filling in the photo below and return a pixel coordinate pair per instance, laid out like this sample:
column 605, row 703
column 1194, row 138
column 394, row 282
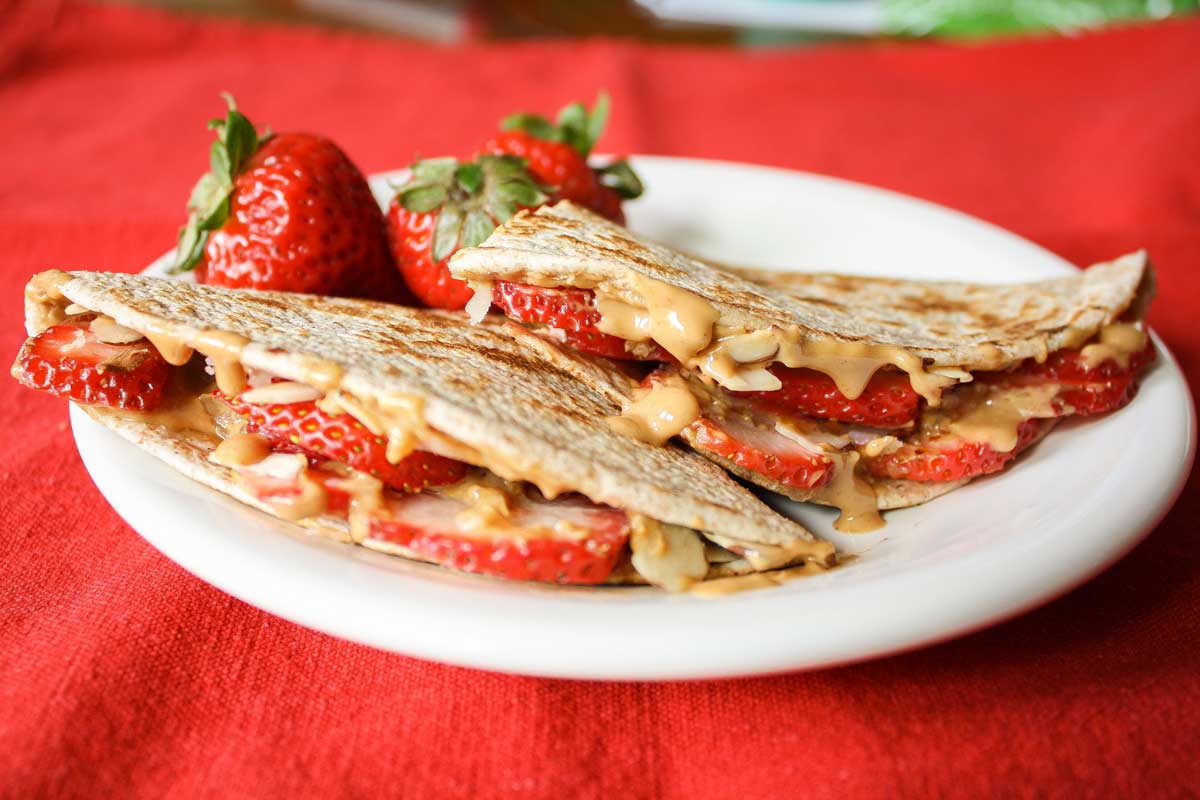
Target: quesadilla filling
column 400, row 487
column 824, row 420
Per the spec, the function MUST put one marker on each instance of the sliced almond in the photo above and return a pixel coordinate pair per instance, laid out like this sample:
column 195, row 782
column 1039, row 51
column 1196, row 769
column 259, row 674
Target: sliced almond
column 283, row 393
column 750, row 347
column 108, row 331
column 667, row 555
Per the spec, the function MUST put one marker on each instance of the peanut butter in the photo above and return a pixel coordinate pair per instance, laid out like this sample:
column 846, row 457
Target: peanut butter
column 224, row 349
column 173, row 350
column 488, row 504
column 719, row 587
column 995, row 417
column 680, row 321
column 366, row 497
column 1118, row 342
column 657, row 412
column 851, row 494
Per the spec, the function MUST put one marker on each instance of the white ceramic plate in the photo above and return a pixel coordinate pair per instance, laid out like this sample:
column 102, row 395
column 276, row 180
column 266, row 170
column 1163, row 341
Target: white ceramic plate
column 988, row 551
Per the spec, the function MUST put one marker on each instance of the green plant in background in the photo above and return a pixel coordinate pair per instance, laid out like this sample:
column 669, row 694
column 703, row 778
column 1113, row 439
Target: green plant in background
column 970, row 18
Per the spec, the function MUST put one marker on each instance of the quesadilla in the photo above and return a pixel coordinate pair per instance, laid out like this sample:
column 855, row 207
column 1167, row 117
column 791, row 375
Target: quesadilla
column 481, row 448
column 861, row 393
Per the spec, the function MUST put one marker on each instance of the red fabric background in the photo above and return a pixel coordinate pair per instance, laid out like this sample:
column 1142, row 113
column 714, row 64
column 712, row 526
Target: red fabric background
column 121, row 675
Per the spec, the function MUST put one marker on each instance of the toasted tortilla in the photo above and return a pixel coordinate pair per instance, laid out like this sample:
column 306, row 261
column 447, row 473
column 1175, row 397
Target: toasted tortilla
column 949, row 324
column 495, row 395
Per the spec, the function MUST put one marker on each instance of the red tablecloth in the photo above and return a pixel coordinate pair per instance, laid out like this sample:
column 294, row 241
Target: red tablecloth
column 122, row 675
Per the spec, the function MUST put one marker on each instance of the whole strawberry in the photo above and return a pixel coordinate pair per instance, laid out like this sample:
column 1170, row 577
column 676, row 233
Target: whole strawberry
column 557, row 153
column 287, row 212
column 446, row 205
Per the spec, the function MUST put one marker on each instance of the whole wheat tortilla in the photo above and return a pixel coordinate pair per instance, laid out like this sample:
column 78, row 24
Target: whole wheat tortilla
column 188, row 454
column 493, row 387
column 971, row 326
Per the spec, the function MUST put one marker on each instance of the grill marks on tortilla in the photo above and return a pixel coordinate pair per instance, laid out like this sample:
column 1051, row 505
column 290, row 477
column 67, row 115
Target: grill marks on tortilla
column 950, row 324
column 492, row 387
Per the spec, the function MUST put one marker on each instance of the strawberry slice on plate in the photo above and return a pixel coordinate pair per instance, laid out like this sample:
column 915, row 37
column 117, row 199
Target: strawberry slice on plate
column 950, row 458
column 887, row 402
column 571, row 312
column 342, row 438
column 70, row 360
column 565, row 540
column 761, row 450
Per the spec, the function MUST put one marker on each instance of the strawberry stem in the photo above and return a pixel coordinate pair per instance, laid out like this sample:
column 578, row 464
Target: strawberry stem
column 208, row 204
column 472, row 197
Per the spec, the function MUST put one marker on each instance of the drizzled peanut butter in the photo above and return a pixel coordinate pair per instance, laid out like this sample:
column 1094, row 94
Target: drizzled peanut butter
column 224, row 349
column 720, row 587
column 657, row 412
column 1118, row 342
column 685, row 325
column 996, row 417
column 851, row 494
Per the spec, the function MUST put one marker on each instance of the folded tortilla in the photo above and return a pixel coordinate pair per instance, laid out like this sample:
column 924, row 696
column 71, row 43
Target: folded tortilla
column 493, row 395
column 939, row 332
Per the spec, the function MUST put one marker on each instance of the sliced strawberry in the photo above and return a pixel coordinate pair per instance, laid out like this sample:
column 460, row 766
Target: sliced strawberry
column 1099, row 389
column 950, row 458
column 70, row 361
column 342, row 438
column 571, row 311
column 888, row 401
column 566, row 540
column 761, row 450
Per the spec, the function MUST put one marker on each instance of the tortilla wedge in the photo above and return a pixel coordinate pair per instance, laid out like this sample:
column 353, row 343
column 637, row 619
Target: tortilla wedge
column 729, row 327
column 492, row 395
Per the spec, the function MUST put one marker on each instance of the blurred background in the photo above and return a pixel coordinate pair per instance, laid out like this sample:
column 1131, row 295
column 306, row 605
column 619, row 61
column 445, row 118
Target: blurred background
column 742, row 22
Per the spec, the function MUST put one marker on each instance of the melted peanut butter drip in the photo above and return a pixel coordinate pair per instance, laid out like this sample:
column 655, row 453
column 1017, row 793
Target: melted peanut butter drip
column 720, row 587
column 488, row 501
column 173, row 350
column 995, row 418
column 366, row 497
column 851, row 365
column 852, row 494
column 685, row 325
column 182, row 409
column 311, row 501
column 657, row 412
column 1118, row 342
column 225, row 351
column 680, row 321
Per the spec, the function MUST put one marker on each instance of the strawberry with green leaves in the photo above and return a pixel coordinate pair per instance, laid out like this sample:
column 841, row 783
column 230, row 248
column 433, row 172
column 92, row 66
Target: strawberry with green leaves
column 557, row 154
column 287, row 212
column 446, row 204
